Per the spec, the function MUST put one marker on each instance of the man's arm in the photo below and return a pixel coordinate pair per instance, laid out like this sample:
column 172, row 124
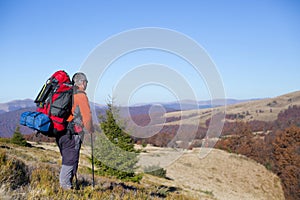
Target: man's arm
column 85, row 112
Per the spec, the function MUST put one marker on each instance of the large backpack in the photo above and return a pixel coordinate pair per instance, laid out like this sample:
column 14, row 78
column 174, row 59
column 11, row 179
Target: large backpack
column 54, row 102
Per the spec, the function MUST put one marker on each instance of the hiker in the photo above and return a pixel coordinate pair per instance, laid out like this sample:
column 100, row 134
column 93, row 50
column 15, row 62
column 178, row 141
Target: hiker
column 80, row 122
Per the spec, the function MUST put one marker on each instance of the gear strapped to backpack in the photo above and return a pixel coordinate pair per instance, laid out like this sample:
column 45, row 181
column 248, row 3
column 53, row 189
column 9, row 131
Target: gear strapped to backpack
column 54, row 102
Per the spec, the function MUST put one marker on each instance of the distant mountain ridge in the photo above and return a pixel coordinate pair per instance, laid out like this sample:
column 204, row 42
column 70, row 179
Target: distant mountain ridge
column 10, row 120
column 10, row 112
column 16, row 105
column 178, row 105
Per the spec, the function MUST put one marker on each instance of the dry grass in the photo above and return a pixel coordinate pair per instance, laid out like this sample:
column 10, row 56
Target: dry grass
column 220, row 175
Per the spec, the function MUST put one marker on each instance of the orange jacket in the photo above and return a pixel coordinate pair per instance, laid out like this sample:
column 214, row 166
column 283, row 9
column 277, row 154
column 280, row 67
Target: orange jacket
column 80, row 99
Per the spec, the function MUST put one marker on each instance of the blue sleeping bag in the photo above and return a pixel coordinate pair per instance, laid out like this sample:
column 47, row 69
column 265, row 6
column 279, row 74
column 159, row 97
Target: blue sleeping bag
column 36, row 120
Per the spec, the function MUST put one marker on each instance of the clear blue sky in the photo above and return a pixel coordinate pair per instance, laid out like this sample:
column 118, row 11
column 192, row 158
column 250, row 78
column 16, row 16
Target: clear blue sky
column 254, row 44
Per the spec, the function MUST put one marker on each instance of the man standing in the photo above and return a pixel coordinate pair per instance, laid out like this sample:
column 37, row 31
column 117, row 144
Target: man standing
column 80, row 122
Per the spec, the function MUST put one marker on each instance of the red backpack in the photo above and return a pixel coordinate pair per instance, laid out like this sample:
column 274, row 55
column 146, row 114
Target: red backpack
column 55, row 100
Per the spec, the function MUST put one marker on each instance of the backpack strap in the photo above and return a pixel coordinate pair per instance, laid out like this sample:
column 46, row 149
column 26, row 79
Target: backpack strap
column 76, row 91
column 54, row 84
column 50, row 106
column 80, row 91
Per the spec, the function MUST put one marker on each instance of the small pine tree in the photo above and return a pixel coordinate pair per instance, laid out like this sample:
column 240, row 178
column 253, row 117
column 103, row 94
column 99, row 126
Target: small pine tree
column 114, row 149
column 18, row 138
column 114, row 132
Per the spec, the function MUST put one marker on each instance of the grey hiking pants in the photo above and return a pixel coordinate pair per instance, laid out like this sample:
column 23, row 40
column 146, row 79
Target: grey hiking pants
column 69, row 146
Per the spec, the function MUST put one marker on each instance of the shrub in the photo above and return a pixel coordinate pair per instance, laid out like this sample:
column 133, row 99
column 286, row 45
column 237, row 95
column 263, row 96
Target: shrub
column 5, row 140
column 156, row 171
column 13, row 172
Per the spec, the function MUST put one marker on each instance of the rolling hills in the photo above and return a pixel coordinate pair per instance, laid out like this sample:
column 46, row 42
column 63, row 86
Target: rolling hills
column 10, row 112
column 261, row 110
column 168, row 116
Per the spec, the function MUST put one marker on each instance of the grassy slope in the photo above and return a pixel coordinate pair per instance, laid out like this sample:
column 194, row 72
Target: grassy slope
column 220, row 175
column 32, row 173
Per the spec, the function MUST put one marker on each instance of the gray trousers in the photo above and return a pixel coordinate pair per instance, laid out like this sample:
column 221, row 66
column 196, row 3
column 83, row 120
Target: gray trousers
column 69, row 146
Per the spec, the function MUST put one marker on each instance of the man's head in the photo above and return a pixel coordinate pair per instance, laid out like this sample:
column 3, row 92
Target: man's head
column 79, row 79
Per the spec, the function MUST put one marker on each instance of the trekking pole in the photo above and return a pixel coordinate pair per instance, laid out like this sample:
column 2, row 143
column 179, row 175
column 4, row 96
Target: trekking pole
column 76, row 182
column 92, row 160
